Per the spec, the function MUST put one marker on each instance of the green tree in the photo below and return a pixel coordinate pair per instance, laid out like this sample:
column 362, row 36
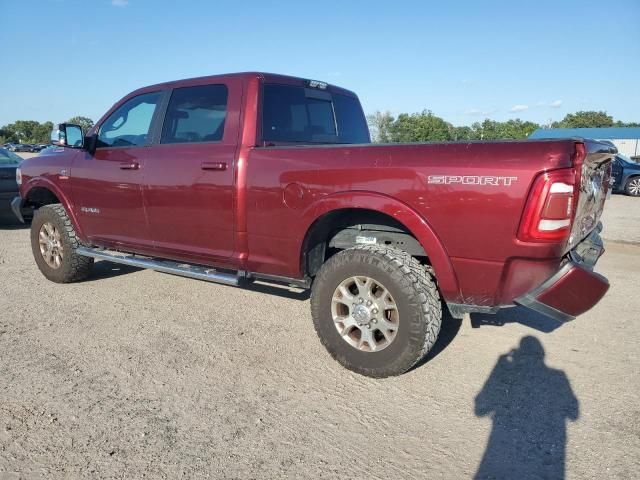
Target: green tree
column 626, row 124
column 42, row 133
column 584, row 119
column 463, row 133
column 27, row 131
column 420, row 127
column 7, row 135
column 23, row 130
column 380, row 126
column 511, row 129
column 85, row 122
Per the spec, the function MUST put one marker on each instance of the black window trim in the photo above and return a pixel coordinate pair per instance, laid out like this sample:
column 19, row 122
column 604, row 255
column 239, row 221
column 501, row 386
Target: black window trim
column 165, row 107
column 152, row 125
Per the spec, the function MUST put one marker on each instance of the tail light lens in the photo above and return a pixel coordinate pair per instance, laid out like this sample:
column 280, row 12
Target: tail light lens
column 550, row 207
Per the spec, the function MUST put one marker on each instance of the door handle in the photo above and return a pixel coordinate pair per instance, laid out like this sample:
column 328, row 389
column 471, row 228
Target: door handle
column 129, row 166
column 213, row 165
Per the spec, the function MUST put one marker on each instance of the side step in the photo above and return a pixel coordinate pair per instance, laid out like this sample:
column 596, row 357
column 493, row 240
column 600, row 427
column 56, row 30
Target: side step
column 166, row 266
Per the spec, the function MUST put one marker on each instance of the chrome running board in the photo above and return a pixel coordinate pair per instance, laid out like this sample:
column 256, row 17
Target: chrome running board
column 198, row 272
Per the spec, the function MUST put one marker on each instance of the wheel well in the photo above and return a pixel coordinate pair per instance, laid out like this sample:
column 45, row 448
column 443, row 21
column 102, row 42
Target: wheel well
column 40, row 196
column 342, row 229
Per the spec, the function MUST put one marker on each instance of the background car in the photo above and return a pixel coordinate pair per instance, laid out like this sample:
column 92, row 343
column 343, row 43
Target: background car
column 19, row 147
column 626, row 176
column 39, row 147
column 9, row 161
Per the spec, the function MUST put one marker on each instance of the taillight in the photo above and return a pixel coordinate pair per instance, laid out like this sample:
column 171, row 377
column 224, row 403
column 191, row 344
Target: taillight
column 549, row 211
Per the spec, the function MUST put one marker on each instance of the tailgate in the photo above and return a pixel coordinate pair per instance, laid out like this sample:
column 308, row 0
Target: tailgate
column 593, row 165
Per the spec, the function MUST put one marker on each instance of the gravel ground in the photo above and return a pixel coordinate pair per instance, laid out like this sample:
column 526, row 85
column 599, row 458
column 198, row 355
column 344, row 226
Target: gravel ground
column 621, row 219
column 137, row 374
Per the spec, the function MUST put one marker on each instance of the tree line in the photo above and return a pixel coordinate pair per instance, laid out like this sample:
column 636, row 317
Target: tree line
column 30, row 131
column 427, row 127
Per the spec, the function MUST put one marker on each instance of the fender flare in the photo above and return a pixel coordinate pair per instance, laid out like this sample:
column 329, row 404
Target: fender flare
column 412, row 221
column 41, row 182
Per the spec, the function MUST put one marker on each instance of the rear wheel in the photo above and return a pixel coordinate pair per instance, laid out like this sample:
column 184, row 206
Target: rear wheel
column 54, row 243
column 376, row 310
column 633, row 187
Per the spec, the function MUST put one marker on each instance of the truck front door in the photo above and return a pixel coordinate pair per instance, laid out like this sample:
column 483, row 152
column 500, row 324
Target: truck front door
column 107, row 186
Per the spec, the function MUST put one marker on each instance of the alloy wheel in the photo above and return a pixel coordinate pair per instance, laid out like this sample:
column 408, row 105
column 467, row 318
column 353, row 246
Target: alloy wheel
column 51, row 245
column 365, row 314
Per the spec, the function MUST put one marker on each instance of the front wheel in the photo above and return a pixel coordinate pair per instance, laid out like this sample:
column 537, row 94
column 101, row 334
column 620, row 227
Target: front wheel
column 376, row 309
column 54, row 243
column 633, row 187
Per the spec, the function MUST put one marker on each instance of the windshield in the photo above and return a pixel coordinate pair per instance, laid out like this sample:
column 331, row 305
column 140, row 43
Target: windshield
column 7, row 157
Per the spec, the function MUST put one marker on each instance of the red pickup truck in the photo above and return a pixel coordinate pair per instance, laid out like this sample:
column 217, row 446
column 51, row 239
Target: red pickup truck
column 248, row 176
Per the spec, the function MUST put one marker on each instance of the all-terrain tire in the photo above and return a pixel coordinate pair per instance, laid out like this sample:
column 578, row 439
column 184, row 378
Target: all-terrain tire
column 414, row 292
column 632, row 187
column 72, row 266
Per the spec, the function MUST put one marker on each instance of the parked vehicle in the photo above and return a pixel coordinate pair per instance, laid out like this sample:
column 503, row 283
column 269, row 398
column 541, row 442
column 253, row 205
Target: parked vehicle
column 19, row 147
column 9, row 161
column 626, row 176
column 250, row 176
column 39, row 147
column 50, row 149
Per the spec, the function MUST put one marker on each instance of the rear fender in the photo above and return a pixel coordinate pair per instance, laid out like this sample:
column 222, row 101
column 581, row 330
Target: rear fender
column 404, row 214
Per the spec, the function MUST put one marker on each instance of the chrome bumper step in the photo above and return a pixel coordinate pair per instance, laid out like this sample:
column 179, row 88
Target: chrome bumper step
column 198, row 272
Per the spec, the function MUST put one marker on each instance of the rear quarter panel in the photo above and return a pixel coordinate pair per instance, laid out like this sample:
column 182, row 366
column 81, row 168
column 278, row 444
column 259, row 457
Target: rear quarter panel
column 475, row 225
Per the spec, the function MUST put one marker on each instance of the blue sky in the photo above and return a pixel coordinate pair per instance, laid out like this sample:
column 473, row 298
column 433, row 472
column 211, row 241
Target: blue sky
column 464, row 60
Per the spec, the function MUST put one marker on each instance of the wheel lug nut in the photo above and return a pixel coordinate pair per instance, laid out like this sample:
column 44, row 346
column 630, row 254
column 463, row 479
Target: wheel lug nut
column 369, row 302
column 374, row 311
column 360, row 300
column 374, row 320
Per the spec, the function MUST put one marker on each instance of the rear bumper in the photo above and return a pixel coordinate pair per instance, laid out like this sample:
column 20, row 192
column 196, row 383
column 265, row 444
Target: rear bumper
column 575, row 288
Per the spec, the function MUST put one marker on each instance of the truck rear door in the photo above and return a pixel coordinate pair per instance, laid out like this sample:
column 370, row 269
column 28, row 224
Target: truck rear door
column 189, row 172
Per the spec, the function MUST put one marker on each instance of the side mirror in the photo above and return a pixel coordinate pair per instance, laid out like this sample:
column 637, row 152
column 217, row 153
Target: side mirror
column 67, row 135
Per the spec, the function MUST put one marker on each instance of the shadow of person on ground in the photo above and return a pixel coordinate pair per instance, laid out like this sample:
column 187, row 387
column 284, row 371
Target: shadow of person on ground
column 529, row 404
column 518, row 314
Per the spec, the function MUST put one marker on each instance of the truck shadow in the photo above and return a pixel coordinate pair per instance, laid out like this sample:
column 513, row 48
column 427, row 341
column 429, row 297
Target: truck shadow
column 103, row 269
column 11, row 224
column 448, row 331
column 529, row 405
column 518, row 314
column 283, row 291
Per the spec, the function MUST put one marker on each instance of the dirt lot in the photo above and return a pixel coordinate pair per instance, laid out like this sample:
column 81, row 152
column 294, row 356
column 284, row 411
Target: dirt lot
column 138, row 374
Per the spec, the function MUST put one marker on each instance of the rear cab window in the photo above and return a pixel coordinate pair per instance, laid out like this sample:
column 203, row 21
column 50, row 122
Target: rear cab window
column 293, row 114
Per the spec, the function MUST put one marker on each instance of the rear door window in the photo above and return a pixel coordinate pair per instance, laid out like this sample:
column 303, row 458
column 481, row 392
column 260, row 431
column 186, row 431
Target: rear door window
column 195, row 114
